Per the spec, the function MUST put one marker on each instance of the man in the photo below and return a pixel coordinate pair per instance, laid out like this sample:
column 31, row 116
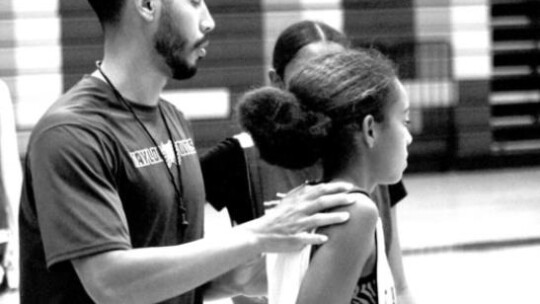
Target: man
column 112, row 203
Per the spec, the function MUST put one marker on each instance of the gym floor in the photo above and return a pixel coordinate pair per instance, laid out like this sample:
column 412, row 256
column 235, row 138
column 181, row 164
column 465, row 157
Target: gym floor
column 472, row 237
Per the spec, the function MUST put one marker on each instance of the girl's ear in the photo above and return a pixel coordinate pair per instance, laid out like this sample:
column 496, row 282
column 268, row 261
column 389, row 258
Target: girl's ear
column 275, row 80
column 369, row 132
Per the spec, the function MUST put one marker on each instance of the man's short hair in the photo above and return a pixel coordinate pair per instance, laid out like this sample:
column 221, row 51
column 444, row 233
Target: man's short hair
column 107, row 11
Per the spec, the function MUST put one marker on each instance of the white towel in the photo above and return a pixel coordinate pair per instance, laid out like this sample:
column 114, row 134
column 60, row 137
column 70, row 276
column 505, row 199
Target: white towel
column 285, row 272
column 385, row 281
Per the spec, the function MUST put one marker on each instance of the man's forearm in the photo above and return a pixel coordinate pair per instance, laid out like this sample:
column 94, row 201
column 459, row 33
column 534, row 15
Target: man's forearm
column 152, row 275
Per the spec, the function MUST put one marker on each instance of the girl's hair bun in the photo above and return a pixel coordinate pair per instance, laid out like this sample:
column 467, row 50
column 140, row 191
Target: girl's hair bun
column 284, row 132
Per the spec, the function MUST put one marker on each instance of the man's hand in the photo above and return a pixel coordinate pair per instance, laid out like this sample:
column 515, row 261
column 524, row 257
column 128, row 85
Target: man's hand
column 287, row 226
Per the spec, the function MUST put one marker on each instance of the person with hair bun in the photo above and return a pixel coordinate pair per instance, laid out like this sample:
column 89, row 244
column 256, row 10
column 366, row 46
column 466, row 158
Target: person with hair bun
column 237, row 178
column 231, row 168
column 349, row 111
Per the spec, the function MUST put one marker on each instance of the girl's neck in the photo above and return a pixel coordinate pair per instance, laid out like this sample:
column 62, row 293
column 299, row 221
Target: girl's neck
column 357, row 174
column 359, row 184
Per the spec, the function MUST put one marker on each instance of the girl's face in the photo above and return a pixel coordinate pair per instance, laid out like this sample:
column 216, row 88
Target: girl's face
column 393, row 138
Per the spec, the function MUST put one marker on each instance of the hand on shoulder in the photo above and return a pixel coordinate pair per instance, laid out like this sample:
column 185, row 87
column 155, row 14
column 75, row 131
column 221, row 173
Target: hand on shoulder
column 363, row 218
column 286, row 227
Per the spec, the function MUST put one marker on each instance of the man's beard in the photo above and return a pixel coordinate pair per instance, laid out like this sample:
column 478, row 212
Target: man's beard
column 171, row 46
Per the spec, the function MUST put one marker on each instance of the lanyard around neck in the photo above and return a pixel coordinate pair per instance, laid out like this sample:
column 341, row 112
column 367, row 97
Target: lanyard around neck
column 177, row 186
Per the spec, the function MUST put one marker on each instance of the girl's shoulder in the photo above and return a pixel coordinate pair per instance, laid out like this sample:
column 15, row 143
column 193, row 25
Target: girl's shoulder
column 363, row 213
column 363, row 218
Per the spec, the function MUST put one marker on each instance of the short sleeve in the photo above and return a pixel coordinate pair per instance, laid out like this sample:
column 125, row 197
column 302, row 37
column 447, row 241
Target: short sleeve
column 226, row 181
column 397, row 193
column 77, row 204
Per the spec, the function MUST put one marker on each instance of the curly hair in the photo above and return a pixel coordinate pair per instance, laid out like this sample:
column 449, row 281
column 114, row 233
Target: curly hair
column 322, row 110
column 277, row 122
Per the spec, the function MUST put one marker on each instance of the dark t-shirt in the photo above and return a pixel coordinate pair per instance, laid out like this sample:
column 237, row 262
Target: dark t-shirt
column 226, row 181
column 95, row 182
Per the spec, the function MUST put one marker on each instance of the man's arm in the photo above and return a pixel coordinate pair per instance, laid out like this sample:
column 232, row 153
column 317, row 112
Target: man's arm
column 151, row 275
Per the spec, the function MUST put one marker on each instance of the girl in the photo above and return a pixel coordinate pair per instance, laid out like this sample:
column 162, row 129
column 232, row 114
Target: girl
column 349, row 111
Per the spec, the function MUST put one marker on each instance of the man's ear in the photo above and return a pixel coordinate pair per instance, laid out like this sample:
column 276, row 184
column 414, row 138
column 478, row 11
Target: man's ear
column 147, row 8
column 275, row 80
column 369, row 131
